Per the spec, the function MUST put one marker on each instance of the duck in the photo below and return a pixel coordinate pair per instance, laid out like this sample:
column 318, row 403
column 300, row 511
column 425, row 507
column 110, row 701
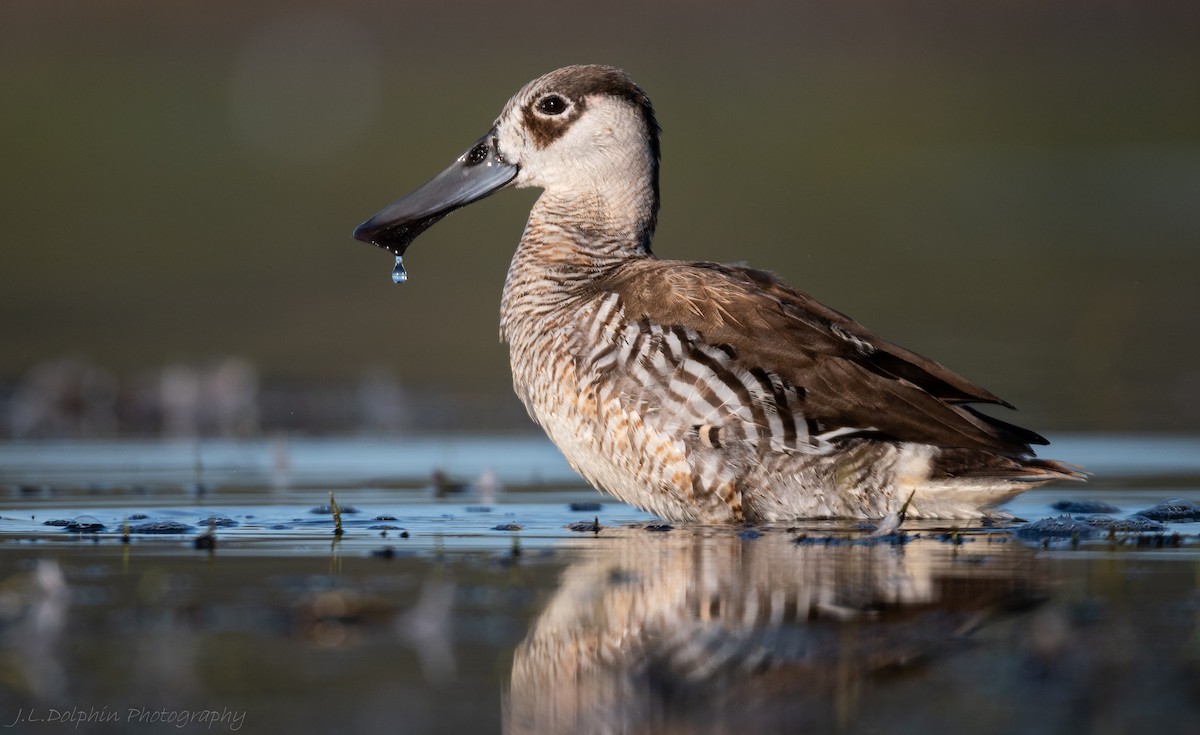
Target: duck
column 697, row 391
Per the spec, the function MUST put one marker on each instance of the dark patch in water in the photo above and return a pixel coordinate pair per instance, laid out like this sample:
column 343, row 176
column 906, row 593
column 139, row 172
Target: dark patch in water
column 138, row 517
column 749, row 534
column 585, row 507
column 478, row 509
column 1175, row 510
column 805, row 540
column 385, row 517
column 384, row 527
column 1085, row 506
column 205, row 542
column 658, row 527
column 890, row 539
column 508, row 527
column 1158, row 540
column 57, row 522
column 952, row 537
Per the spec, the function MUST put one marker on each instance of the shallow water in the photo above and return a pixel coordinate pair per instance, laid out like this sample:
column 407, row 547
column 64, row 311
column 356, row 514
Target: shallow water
column 422, row 616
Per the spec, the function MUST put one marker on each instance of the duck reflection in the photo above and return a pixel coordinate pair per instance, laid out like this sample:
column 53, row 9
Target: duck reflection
column 708, row 632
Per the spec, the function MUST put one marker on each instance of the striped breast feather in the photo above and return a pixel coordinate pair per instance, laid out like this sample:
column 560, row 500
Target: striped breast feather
column 851, row 380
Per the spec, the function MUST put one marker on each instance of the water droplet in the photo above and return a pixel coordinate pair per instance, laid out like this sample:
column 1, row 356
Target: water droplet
column 399, row 275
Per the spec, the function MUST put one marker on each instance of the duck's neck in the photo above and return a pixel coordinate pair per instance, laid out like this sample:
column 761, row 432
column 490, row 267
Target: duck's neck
column 593, row 223
column 571, row 238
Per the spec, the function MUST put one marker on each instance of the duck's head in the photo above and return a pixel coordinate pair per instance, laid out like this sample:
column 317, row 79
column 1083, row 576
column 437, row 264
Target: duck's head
column 581, row 131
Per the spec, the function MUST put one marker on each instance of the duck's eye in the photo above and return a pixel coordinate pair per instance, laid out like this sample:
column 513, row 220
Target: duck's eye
column 552, row 105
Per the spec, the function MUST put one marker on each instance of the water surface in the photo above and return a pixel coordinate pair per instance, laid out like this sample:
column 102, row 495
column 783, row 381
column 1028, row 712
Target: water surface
column 454, row 605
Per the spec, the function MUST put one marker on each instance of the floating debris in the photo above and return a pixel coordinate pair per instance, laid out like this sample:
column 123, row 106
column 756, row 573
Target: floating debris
column 1132, row 524
column 159, row 527
column 219, row 522
column 383, row 517
column 585, row 526
column 508, row 527
column 1062, row 527
column 658, row 527
column 1173, row 510
column 57, row 522
column 85, row 524
column 1085, row 507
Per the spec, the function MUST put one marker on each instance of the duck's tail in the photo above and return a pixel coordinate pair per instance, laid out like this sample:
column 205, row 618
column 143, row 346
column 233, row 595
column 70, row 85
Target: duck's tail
column 969, row 482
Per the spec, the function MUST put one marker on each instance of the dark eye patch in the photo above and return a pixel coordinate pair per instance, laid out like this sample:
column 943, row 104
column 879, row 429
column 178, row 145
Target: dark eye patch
column 552, row 105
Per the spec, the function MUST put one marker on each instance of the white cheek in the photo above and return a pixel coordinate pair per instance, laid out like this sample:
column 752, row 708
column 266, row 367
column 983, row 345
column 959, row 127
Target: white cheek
column 515, row 147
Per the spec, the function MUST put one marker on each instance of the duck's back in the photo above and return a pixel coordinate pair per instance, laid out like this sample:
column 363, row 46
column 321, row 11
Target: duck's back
column 708, row 392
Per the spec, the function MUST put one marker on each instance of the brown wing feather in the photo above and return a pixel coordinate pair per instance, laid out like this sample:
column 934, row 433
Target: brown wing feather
column 852, row 378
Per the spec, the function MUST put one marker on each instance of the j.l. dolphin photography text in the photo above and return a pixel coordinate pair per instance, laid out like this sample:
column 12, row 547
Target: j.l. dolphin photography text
column 74, row 717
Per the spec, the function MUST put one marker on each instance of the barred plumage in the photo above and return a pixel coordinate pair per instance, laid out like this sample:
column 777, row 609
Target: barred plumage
column 700, row 391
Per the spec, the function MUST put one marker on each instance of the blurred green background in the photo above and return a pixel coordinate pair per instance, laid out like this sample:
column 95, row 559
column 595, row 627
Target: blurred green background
column 1013, row 190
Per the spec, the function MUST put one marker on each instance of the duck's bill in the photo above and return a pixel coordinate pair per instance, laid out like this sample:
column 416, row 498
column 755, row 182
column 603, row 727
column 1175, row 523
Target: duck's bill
column 477, row 173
